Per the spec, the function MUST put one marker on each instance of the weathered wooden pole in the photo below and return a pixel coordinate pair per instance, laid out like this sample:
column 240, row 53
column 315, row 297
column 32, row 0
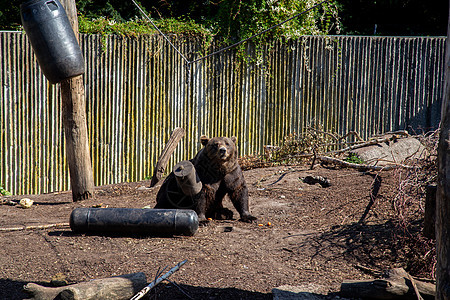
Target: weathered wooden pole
column 163, row 159
column 443, row 192
column 75, row 127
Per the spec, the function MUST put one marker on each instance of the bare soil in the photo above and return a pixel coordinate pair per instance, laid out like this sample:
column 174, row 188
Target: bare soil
column 305, row 235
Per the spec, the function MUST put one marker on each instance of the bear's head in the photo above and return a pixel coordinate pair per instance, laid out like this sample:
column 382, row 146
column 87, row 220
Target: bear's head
column 220, row 149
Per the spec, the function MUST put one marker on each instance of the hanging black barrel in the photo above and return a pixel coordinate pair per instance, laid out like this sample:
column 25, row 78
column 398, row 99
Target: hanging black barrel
column 158, row 222
column 52, row 38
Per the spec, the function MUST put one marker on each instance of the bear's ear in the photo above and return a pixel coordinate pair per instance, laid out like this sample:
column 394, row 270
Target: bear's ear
column 204, row 140
column 233, row 138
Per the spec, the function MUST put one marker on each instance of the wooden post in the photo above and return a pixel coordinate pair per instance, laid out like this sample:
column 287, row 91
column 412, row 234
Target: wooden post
column 163, row 159
column 75, row 128
column 443, row 192
column 429, row 220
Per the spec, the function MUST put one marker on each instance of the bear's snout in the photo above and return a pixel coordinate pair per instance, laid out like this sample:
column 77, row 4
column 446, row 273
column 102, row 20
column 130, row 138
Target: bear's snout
column 222, row 151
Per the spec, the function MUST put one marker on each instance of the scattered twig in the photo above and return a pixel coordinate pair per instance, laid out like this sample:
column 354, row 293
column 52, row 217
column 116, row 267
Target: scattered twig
column 398, row 132
column 416, row 290
column 369, row 270
column 32, row 227
column 314, row 158
column 157, row 281
column 375, row 188
column 324, row 133
column 351, row 133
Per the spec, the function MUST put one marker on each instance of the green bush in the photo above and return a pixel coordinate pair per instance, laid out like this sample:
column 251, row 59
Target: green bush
column 4, row 192
column 139, row 27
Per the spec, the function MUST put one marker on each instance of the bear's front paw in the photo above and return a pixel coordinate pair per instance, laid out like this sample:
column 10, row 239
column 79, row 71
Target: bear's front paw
column 223, row 214
column 202, row 220
column 203, row 223
column 248, row 218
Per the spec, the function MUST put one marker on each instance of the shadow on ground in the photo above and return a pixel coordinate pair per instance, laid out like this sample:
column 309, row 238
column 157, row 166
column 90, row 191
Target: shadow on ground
column 374, row 245
column 13, row 290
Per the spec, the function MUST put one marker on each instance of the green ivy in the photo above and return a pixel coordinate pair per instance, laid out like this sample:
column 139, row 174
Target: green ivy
column 138, row 27
column 354, row 158
column 4, row 192
column 232, row 21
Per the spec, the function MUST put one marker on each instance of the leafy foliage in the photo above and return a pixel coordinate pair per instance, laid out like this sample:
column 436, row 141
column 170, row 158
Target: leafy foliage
column 10, row 15
column 230, row 20
column 354, row 158
column 237, row 19
column 138, row 27
column 242, row 19
column 4, row 192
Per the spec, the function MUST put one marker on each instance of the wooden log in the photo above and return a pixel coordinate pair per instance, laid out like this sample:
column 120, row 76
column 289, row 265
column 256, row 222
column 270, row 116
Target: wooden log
column 112, row 288
column 396, row 285
column 170, row 146
column 75, row 127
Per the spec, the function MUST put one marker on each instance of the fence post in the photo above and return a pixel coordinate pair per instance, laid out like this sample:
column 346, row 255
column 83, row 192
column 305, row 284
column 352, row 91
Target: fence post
column 443, row 193
column 75, row 127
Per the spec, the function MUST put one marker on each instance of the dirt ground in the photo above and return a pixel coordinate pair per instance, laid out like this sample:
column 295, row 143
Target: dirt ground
column 313, row 238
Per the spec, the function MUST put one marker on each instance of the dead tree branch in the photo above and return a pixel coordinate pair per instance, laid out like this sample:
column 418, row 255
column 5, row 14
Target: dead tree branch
column 361, row 167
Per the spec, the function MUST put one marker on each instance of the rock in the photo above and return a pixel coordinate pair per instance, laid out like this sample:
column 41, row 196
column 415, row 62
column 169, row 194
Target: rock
column 395, row 151
column 26, row 203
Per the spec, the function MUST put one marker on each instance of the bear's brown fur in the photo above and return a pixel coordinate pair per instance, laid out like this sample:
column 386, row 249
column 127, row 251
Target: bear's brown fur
column 218, row 169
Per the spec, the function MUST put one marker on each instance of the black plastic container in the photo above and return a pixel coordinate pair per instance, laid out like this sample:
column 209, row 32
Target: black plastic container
column 157, row 222
column 52, row 38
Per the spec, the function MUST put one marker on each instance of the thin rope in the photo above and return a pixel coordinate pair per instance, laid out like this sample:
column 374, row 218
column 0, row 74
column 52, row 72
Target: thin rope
column 160, row 32
column 228, row 47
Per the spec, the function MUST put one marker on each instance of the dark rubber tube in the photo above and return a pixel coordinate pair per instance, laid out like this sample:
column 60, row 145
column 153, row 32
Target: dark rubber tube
column 158, row 222
column 52, row 38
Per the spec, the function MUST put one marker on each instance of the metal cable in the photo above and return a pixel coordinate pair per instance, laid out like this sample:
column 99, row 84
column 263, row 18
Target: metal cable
column 228, row 47
column 160, row 32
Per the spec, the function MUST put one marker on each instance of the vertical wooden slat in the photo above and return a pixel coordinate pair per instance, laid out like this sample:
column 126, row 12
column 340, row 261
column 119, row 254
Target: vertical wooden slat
column 137, row 93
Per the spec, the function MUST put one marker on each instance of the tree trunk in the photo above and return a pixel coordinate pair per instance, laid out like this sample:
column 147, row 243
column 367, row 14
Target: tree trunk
column 443, row 193
column 75, row 128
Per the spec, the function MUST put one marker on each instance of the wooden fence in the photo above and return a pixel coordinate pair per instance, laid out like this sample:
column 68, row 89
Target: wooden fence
column 139, row 89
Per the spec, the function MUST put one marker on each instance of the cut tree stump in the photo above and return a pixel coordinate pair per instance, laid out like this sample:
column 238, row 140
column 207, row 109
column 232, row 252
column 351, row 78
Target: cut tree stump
column 112, row 288
column 397, row 284
column 171, row 144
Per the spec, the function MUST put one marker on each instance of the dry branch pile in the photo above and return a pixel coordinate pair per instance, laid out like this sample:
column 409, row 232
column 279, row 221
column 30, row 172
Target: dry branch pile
column 318, row 146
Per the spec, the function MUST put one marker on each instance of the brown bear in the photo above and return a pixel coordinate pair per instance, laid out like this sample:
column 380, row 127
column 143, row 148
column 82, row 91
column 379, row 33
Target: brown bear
column 218, row 169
